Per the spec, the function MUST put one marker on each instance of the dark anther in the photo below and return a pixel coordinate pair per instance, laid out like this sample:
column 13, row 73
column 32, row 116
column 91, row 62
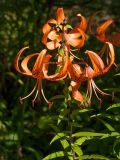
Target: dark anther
column 64, row 22
column 62, row 42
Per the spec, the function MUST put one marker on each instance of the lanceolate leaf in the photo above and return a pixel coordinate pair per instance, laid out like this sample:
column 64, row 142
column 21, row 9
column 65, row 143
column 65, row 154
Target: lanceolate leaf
column 81, row 140
column 58, row 136
column 117, row 105
column 96, row 157
column 88, row 134
column 62, row 114
column 54, row 155
column 109, row 127
column 77, row 150
column 64, row 143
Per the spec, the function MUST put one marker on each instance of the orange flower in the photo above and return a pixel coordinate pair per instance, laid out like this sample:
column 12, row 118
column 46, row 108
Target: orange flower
column 54, row 38
column 62, row 73
column 60, row 17
column 50, row 33
column 76, row 38
column 75, row 73
column 36, row 71
column 102, row 36
column 78, row 75
column 97, row 70
column 101, row 31
column 58, row 35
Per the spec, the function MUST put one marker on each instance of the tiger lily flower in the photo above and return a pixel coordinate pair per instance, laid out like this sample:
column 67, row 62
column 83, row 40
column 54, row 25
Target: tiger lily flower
column 79, row 75
column 101, row 31
column 54, row 37
column 36, row 71
column 59, row 75
column 50, row 33
column 102, row 36
column 60, row 17
column 83, row 23
column 75, row 74
column 76, row 37
column 97, row 70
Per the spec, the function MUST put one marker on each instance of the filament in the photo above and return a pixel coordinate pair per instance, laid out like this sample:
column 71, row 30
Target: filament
column 22, row 98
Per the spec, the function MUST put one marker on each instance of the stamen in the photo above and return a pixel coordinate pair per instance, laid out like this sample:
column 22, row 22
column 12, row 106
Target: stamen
column 94, row 88
column 74, row 55
column 74, row 49
column 22, row 98
column 89, row 90
column 102, row 51
column 33, row 101
column 48, row 102
column 99, row 89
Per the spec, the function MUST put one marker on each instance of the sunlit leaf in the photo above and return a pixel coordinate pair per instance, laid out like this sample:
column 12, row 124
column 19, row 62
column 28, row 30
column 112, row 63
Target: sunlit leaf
column 81, row 140
column 34, row 152
column 54, row 155
column 88, row 134
column 94, row 156
column 77, row 150
column 107, row 125
column 62, row 114
column 64, row 143
column 117, row 105
column 58, row 136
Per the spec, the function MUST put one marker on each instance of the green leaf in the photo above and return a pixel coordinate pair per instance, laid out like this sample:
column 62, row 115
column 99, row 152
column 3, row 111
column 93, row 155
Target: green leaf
column 77, row 150
column 112, row 134
column 64, row 143
column 9, row 136
column 88, row 134
column 80, row 111
column 117, row 105
column 68, row 26
column 118, row 74
column 32, row 150
column 54, row 155
column 94, row 156
column 113, row 89
column 116, row 148
column 58, row 136
column 57, row 97
column 61, row 52
column 81, row 140
column 62, row 114
column 108, row 126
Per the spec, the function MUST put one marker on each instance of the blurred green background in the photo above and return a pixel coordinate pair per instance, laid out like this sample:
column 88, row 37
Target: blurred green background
column 25, row 132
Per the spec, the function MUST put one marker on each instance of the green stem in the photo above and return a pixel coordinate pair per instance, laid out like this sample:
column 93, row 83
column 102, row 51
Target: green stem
column 71, row 131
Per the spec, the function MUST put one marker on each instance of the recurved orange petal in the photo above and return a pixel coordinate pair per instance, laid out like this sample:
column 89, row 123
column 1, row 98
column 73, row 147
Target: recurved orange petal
column 57, row 76
column 60, row 15
column 52, row 45
column 46, row 28
column 89, row 73
column 103, row 27
column 24, row 63
column 114, row 39
column 75, row 71
column 111, row 57
column 83, row 22
column 25, row 71
column 75, row 93
column 97, row 62
column 90, row 22
column 54, row 36
column 37, row 69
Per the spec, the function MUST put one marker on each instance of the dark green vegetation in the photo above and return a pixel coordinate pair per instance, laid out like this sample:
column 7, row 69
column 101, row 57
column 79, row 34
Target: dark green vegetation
column 25, row 132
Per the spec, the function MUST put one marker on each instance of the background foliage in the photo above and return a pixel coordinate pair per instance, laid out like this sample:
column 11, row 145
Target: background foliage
column 25, row 132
